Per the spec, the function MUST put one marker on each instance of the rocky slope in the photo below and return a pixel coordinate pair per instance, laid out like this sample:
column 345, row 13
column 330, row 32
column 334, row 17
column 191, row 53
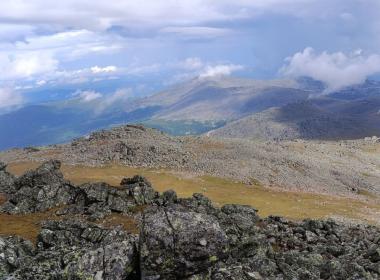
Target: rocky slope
column 342, row 168
column 323, row 119
column 176, row 238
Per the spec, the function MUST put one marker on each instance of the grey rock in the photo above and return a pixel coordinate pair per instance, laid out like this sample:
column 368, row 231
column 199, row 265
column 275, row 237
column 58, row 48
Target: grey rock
column 140, row 189
column 40, row 190
column 3, row 166
column 177, row 242
column 6, row 180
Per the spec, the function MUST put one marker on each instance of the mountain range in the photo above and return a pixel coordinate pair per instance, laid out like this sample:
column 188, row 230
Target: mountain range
column 223, row 107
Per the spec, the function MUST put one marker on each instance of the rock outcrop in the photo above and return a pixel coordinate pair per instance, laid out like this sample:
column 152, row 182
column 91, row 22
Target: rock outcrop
column 179, row 238
column 71, row 250
column 6, row 180
column 40, row 190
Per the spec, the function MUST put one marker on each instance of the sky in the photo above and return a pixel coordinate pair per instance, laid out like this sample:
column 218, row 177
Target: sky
column 52, row 50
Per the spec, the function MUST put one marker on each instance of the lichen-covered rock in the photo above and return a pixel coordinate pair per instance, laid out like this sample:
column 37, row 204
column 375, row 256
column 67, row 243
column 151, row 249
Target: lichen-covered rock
column 177, row 242
column 100, row 199
column 72, row 250
column 45, row 188
column 40, row 189
column 140, row 189
column 14, row 253
column 6, row 180
column 3, row 166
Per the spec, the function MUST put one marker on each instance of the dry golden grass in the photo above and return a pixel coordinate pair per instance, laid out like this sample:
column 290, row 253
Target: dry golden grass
column 128, row 223
column 26, row 226
column 293, row 205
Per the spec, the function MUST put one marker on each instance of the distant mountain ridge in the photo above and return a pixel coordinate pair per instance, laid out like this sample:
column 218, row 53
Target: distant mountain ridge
column 304, row 120
column 223, row 99
column 268, row 109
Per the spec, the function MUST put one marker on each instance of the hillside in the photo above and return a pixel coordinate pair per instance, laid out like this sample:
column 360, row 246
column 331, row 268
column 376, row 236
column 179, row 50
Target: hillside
column 323, row 119
column 223, row 98
column 346, row 168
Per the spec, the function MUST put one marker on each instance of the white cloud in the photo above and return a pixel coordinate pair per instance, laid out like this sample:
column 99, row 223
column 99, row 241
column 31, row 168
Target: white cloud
column 102, row 14
column 196, row 32
column 191, row 63
column 14, row 32
column 30, row 64
column 30, row 60
column 9, row 98
column 71, row 33
column 336, row 70
column 220, row 70
column 101, row 101
column 26, row 65
column 142, row 69
column 41, row 57
column 88, row 96
column 41, row 83
column 107, row 69
column 119, row 95
column 67, row 45
column 195, row 67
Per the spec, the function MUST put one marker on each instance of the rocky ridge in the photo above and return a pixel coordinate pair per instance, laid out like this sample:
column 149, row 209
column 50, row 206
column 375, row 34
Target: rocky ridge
column 332, row 167
column 179, row 238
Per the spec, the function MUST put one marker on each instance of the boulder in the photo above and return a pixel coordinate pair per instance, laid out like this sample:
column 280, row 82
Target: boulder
column 140, row 189
column 89, row 251
column 40, row 190
column 15, row 252
column 101, row 199
column 6, row 180
column 177, row 242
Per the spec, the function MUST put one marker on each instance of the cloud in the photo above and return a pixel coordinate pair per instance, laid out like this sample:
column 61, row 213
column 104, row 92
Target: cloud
column 12, row 32
column 196, row 32
column 119, row 95
column 68, row 45
column 26, row 65
column 107, row 69
column 191, row 63
column 337, row 70
column 195, row 67
column 103, row 14
column 220, row 70
column 60, row 41
column 9, row 98
column 88, row 96
column 41, row 56
column 101, row 102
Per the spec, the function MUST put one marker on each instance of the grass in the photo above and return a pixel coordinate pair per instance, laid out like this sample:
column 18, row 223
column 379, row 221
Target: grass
column 28, row 226
column 127, row 222
column 293, row 205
